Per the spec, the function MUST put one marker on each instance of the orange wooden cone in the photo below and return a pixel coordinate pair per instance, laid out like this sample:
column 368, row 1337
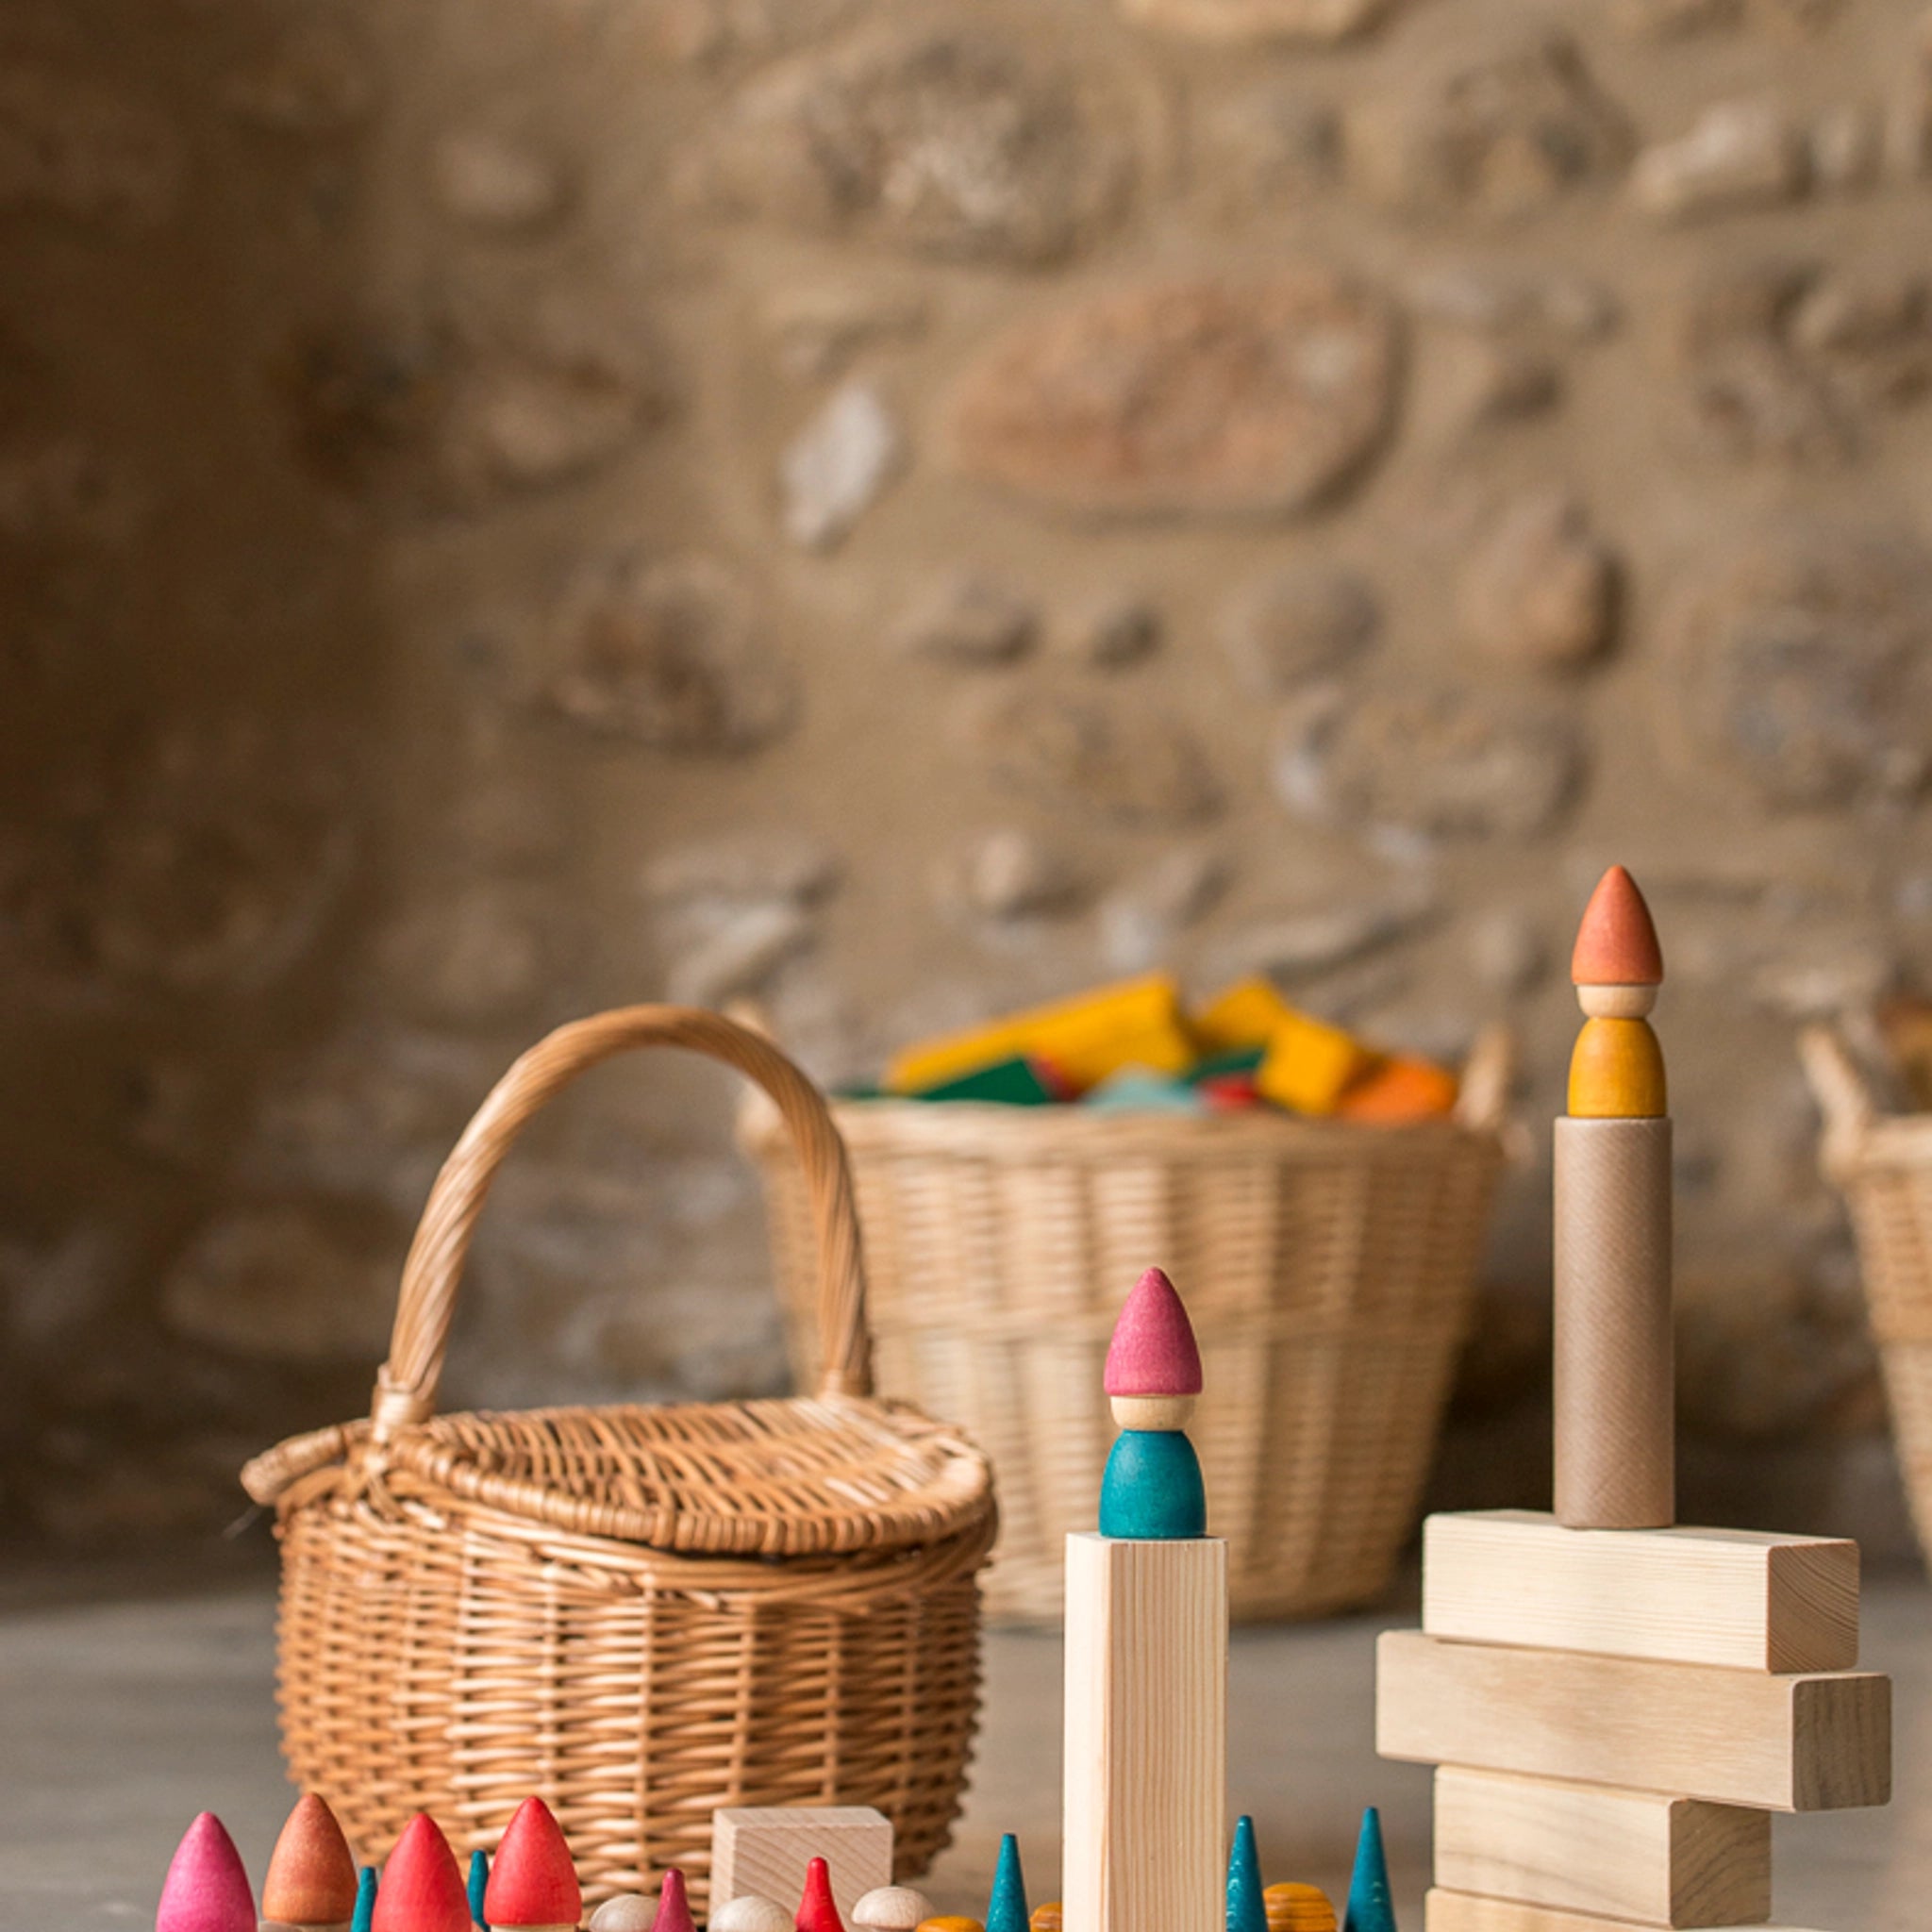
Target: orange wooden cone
column 1616, row 944
column 422, row 1891
column 311, row 1877
column 205, row 1889
column 817, row 1911
column 532, row 1880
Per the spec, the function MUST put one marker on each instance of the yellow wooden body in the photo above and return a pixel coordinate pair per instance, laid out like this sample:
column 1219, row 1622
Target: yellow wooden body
column 1616, row 1072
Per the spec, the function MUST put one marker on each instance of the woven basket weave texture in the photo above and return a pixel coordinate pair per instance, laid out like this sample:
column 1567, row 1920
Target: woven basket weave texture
column 639, row 1613
column 1330, row 1269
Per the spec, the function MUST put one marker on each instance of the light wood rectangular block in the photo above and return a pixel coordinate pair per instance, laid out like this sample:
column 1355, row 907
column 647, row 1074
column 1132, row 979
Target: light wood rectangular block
column 765, row 1850
column 1147, row 1735
column 1456, row 1911
column 1744, row 1598
column 1593, row 1848
column 1776, row 1743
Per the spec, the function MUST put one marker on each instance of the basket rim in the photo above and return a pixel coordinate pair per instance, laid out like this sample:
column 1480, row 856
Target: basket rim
column 778, row 1477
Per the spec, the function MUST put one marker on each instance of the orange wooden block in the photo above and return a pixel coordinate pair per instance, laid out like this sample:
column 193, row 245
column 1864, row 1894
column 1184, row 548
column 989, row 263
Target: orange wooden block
column 1398, row 1090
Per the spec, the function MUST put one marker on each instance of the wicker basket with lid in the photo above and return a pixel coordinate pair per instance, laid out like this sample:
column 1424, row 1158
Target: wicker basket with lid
column 639, row 1613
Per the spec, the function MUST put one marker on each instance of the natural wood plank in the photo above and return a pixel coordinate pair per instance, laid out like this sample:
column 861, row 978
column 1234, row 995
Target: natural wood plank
column 1593, row 1848
column 1778, row 1743
column 1456, row 1911
column 1744, row 1598
column 764, row 1851
column 1146, row 1733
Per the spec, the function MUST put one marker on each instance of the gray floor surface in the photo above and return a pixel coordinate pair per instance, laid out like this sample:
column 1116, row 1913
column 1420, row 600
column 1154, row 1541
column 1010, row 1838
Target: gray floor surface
column 121, row 1719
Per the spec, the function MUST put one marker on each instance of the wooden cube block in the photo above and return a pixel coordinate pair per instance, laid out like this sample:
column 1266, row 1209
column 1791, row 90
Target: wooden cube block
column 1459, row 1911
column 1593, row 1848
column 1776, row 1743
column 766, row 1850
column 1745, row 1598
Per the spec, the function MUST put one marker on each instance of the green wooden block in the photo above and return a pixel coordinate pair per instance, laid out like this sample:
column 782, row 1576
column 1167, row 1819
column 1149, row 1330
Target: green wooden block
column 1239, row 1060
column 1011, row 1083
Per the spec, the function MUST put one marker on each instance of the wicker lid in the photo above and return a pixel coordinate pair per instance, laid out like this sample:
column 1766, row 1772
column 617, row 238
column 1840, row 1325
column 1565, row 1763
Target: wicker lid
column 782, row 1478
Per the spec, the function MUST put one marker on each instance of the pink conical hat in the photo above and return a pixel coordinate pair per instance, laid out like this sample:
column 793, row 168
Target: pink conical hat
column 205, row 1889
column 532, row 1880
column 1153, row 1351
column 673, row 1907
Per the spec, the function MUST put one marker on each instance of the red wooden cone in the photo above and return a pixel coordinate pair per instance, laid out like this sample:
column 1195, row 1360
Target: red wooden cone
column 311, row 1877
column 1153, row 1350
column 422, row 1891
column 1616, row 944
column 673, row 1908
column 817, row 1911
column 532, row 1880
column 205, row 1889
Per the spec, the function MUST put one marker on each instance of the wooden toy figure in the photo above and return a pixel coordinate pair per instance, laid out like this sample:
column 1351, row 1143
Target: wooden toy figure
column 1006, row 1911
column 422, row 1891
column 532, row 1881
column 206, row 1888
column 477, row 1888
column 311, row 1877
column 1616, row 1704
column 817, row 1911
column 1146, row 1679
column 748, row 1913
column 1247, row 1906
column 631, row 1911
column 890, row 1908
column 1370, row 1906
column 363, row 1918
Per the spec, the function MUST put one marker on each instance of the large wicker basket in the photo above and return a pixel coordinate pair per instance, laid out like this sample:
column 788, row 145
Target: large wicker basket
column 1328, row 1267
column 638, row 1613
column 1883, row 1164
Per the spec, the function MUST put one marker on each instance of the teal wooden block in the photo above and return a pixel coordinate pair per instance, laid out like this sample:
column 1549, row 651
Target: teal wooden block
column 1140, row 1090
column 1152, row 1490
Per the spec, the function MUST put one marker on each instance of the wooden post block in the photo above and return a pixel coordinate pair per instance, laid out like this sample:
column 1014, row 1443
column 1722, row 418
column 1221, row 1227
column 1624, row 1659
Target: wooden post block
column 1147, row 1735
column 1742, row 1598
column 765, row 1851
column 1614, row 1352
column 1776, row 1743
column 1459, row 1911
column 1591, row 1848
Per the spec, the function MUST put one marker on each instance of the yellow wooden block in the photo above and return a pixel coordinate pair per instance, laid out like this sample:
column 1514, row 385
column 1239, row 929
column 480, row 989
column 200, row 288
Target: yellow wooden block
column 1457, row 1911
column 1745, row 1598
column 1137, row 1023
column 1243, row 1014
column 1308, row 1064
column 1776, row 1744
column 1616, row 1072
column 765, row 1849
column 1591, row 1848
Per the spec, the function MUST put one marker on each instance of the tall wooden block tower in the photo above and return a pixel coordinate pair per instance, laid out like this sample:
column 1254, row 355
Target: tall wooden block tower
column 1617, row 1706
column 1146, row 1675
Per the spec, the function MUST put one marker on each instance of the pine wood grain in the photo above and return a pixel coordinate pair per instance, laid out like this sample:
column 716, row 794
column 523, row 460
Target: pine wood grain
column 1748, row 1599
column 1778, row 1744
column 764, row 1850
column 1456, row 1911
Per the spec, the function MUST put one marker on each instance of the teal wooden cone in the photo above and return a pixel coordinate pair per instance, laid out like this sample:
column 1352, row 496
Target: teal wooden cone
column 479, row 1884
column 1153, row 1488
column 365, row 1900
column 1005, row 1911
column 1247, row 1906
column 1370, row 1906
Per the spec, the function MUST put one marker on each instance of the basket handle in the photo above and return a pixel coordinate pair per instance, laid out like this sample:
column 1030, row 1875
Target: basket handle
column 406, row 1387
column 1483, row 1102
column 1844, row 1095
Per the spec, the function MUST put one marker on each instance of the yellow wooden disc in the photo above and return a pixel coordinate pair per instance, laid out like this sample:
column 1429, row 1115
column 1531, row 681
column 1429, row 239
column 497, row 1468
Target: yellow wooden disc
column 1298, row 1908
column 1617, row 1071
column 1045, row 1918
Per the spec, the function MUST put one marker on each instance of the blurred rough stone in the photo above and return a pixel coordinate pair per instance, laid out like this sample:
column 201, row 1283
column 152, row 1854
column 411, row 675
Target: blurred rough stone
column 1114, row 631
column 66, row 491
column 1506, row 953
column 1305, row 944
column 1846, row 147
column 321, row 79
column 1868, row 332
column 1738, row 155
column 1299, row 623
column 478, row 954
column 1432, row 760
column 1010, row 874
column 821, row 326
column 1188, row 398
column 1482, row 296
column 1140, row 921
column 1319, row 21
column 790, row 866
column 968, row 618
column 1541, row 590
column 673, row 654
column 1101, row 752
column 491, row 181
column 1672, row 20
column 1505, row 383
column 1504, row 137
column 839, row 466
column 71, row 147
column 1809, row 662
column 948, row 142
column 288, row 1282
column 1271, row 145
column 738, row 953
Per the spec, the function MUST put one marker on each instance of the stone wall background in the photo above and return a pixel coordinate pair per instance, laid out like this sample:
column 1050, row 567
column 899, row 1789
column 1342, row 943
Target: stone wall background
column 509, row 507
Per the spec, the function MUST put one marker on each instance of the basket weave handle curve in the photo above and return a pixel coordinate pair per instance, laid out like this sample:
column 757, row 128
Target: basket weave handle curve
column 407, row 1384
column 1844, row 1095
